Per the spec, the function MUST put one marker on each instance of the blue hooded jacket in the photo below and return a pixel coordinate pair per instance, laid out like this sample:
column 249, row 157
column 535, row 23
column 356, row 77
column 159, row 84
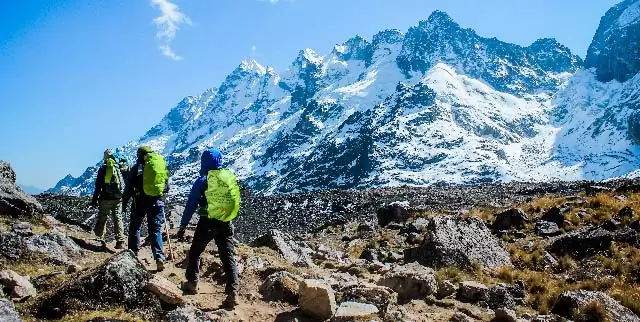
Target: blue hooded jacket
column 210, row 160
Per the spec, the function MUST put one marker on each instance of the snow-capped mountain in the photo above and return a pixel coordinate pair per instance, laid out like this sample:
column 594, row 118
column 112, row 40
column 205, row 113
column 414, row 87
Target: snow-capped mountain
column 437, row 104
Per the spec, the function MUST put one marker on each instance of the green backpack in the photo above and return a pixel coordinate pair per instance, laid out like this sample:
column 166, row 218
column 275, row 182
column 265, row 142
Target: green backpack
column 154, row 175
column 223, row 195
column 113, row 179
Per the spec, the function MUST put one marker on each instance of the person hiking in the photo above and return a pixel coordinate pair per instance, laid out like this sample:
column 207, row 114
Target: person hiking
column 107, row 198
column 216, row 197
column 147, row 185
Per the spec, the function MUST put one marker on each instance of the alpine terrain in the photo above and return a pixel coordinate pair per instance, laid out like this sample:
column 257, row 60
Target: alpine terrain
column 434, row 105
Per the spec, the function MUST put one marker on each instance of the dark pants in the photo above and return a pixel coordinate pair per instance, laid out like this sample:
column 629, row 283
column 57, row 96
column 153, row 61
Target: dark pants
column 153, row 210
column 222, row 234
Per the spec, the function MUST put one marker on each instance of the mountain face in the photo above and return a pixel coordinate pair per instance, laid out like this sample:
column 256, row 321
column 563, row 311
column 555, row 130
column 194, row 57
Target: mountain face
column 438, row 104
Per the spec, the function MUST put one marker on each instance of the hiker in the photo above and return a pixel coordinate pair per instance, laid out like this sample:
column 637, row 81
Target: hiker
column 147, row 185
column 107, row 197
column 216, row 197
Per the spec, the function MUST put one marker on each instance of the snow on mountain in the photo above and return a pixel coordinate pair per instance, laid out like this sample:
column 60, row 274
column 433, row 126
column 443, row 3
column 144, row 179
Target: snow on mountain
column 438, row 104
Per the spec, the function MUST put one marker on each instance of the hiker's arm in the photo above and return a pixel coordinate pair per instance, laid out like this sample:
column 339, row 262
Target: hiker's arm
column 129, row 186
column 98, row 186
column 192, row 202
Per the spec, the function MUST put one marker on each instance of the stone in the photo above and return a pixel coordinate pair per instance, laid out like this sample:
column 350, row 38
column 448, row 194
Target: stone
column 185, row 314
column 11, row 245
column 611, row 225
column 555, row 215
column 281, row 286
column 500, row 297
column 365, row 227
column 22, row 228
column 461, row 317
column 118, row 281
column 570, row 301
column 511, row 219
column 13, row 201
column 550, row 261
column 410, row 281
column 626, row 212
column 547, row 229
column 317, row 299
column 18, row 287
column 53, row 247
column 460, row 242
column 369, row 254
column 505, row 315
column 582, row 242
column 294, row 253
column 418, row 226
column 626, row 235
column 354, row 311
column 380, row 296
column 395, row 212
column 447, row 288
column 73, row 268
column 165, row 290
column 8, row 312
column 472, row 292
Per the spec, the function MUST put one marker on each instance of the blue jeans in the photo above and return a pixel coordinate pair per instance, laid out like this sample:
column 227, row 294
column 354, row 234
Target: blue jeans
column 153, row 210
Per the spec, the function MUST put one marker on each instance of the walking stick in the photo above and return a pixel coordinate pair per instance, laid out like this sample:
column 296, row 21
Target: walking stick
column 166, row 229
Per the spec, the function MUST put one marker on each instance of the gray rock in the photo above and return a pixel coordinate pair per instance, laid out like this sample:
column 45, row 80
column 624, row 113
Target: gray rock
column 460, row 242
column 410, row 281
column 354, row 311
column 52, row 246
column 281, row 286
column 11, row 245
column 626, row 212
column 119, row 280
column 13, row 201
column 317, row 299
column 392, row 213
column 8, row 312
column 505, row 315
column 22, row 228
column 185, row 314
column 380, row 296
column 472, row 292
column 19, row 287
column 500, row 297
column 366, row 227
column 547, row 229
column 511, row 219
column 626, row 235
column 582, row 242
column 569, row 301
column 447, row 288
column 555, row 215
column 611, row 225
column 461, row 317
column 294, row 253
column 550, row 261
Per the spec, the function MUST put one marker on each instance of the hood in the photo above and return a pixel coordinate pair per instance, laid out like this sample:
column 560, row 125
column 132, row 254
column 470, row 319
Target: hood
column 211, row 160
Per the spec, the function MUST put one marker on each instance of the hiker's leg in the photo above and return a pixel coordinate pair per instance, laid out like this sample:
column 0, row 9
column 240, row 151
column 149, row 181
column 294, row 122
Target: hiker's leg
column 227, row 250
column 155, row 216
column 135, row 223
column 201, row 239
column 103, row 212
column 116, row 213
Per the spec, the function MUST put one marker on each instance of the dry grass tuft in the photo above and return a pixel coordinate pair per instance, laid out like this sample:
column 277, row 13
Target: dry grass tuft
column 592, row 312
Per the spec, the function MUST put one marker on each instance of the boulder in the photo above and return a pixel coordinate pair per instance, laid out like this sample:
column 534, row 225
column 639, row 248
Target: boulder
column 500, row 297
column 626, row 212
column 582, row 242
column 472, row 292
column 118, row 281
column 185, row 314
column 505, row 315
column 73, row 268
column 22, row 228
column 54, row 247
column 570, row 301
column 410, row 281
column 13, row 201
column 354, row 311
column 380, row 296
column 418, row 226
column 511, row 219
column 626, row 235
column 295, row 253
column 461, row 242
column 555, row 215
column 611, row 225
column 547, row 229
column 18, row 287
column 11, row 245
column 165, row 290
column 395, row 212
column 365, row 227
column 447, row 288
column 281, row 286
column 317, row 299
column 461, row 317
column 8, row 312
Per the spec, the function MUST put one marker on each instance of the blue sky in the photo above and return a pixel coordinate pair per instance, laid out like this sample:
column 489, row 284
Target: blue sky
column 79, row 76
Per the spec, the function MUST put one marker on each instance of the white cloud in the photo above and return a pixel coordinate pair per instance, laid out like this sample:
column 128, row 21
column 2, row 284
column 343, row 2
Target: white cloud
column 168, row 23
column 254, row 49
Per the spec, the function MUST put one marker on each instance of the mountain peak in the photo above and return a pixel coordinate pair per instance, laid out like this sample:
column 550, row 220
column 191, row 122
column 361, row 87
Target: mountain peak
column 354, row 48
column 440, row 18
column 249, row 65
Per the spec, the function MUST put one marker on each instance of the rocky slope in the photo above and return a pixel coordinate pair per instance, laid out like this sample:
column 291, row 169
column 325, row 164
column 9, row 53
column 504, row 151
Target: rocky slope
column 437, row 104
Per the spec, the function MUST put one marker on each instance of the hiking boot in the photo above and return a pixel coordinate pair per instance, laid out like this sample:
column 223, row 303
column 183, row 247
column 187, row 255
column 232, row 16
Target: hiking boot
column 190, row 288
column 231, row 301
column 159, row 265
column 119, row 245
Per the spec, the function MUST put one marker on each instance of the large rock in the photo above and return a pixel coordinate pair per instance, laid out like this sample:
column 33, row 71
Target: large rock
column 317, row 299
column 165, row 290
column 555, row 215
column 8, row 312
column 505, row 315
column 410, row 281
column 511, row 219
column 547, row 229
column 297, row 254
column 281, row 286
column 472, row 292
column 460, row 242
column 395, row 212
column 500, row 297
column 13, row 201
column 380, row 296
column 570, row 301
column 185, row 314
column 54, row 247
column 11, row 245
column 582, row 242
column 22, row 228
column 18, row 287
column 118, row 281
column 354, row 311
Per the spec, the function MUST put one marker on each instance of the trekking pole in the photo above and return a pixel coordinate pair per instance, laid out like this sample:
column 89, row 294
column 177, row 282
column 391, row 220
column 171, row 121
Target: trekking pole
column 166, row 229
